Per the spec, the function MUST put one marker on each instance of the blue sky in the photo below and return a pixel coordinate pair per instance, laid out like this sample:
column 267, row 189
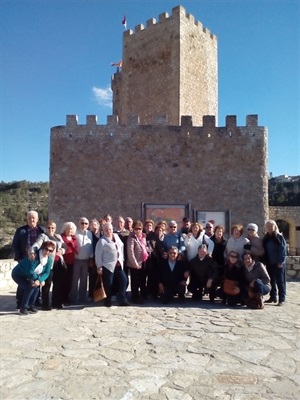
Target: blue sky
column 56, row 55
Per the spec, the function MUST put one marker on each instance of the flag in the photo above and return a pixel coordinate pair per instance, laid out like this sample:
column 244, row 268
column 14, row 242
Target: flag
column 124, row 22
column 119, row 64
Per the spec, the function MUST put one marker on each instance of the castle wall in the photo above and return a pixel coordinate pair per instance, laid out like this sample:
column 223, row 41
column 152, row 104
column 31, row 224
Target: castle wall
column 169, row 68
column 99, row 169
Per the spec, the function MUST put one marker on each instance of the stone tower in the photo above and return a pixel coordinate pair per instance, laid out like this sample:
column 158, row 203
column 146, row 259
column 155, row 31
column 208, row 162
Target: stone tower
column 170, row 68
column 163, row 145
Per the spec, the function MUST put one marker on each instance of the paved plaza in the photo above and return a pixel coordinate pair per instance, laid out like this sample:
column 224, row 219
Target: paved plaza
column 191, row 351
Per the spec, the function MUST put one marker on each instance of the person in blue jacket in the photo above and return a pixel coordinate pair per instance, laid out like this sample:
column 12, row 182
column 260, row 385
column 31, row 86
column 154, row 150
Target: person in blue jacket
column 31, row 274
column 275, row 253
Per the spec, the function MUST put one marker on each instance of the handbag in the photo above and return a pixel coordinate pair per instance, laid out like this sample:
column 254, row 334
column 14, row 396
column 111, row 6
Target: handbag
column 230, row 286
column 99, row 292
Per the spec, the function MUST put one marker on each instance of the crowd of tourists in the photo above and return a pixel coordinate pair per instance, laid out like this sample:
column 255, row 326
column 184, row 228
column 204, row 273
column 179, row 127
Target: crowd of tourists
column 158, row 262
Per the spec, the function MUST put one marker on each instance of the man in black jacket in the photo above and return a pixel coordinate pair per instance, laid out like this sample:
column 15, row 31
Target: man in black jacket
column 203, row 274
column 172, row 277
column 24, row 237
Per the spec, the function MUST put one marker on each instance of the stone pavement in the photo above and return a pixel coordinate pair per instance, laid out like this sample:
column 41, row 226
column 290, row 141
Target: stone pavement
column 152, row 352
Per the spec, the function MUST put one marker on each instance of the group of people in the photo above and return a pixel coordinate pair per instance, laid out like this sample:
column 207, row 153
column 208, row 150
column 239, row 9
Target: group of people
column 160, row 261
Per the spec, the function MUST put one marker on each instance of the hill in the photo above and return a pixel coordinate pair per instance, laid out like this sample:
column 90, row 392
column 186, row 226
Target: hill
column 16, row 198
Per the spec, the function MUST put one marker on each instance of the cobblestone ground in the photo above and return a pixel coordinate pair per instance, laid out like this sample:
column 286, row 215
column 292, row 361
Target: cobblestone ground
column 194, row 351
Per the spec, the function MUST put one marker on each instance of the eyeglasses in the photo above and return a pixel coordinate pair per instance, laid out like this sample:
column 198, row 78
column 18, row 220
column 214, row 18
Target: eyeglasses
column 208, row 227
column 250, row 229
column 84, row 223
column 49, row 250
column 173, row 226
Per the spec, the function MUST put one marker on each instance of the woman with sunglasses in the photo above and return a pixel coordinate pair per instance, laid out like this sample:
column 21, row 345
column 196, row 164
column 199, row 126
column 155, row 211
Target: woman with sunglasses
column 30, row 275
column 57, row 261
column 233, row 281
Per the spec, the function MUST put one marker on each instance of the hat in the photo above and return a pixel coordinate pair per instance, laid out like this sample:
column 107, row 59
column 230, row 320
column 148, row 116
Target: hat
column 253, row 227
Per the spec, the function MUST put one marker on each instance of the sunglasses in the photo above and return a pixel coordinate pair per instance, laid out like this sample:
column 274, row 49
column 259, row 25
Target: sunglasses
column 49, row 250
column 84, row 223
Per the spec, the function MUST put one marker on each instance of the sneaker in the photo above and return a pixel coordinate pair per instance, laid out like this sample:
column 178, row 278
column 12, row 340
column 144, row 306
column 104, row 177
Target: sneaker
column 33, row 309
column 23, row 311
column 281, row 303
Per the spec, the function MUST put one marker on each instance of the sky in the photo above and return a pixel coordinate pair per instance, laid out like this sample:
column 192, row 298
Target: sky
column 56, row 55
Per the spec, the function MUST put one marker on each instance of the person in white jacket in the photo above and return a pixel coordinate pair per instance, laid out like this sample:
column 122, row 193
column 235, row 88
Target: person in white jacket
column 195, row 238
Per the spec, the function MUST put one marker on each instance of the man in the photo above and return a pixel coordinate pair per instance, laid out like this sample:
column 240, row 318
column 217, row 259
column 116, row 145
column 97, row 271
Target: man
column 209, row 229
column 83, row 260
column 173, row 238
column 24, row 237
column 186, row 225
column 128, row 224
column 172, row 277
column 203, row 274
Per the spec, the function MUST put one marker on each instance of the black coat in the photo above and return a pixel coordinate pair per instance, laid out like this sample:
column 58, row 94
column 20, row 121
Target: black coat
column 171, row 278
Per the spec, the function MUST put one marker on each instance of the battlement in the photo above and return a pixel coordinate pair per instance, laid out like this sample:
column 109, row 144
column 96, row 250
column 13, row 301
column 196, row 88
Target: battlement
column 164, row 18
column 209, row 121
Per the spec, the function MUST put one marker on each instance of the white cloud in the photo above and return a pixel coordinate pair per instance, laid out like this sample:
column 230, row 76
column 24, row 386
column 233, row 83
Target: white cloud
column 103, row 96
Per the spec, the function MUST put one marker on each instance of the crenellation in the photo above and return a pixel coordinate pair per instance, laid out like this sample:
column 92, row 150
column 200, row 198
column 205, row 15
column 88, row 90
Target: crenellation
column 160, row 120
column 72, row 120
column 252, row 120
column 231, row 121
column 139, row 28
column 112, row 120
column 91, row 120
column 162, row 17
column 151, row 22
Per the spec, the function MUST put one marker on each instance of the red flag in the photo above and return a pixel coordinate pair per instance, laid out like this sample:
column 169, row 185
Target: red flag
column 124, row 22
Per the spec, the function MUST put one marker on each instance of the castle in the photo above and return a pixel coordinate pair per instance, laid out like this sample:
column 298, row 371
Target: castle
column 162, row 145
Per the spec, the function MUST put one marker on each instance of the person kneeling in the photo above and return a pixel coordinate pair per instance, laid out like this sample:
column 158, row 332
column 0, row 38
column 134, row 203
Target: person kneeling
column 258, row 281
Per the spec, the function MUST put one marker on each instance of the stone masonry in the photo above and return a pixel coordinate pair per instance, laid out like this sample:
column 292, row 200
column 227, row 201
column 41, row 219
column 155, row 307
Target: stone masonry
column 160, row 147
column 169, row 68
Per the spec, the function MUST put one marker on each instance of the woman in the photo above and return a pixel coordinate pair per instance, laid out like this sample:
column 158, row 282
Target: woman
column 57, row 260
column 96, row 233
column 233, row 280
column 237, row 242
column 257, row 280
column 31, row 274
column 137, row 254
column 64, row 282
column 256, row 243
column 194, row 239
column 109, row 257
column 276, row 252
column 219, row 248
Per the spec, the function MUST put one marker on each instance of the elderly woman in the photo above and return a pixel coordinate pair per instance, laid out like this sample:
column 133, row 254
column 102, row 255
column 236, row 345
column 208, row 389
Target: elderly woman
column 30, row 274
column 57, row 260
column 137, row 253
column 194, row 239
column 109, row 257
column 65, row 282
column 237, row 242
column 256, row 243
column 233, row 281
column 275, row 251
column 258, row 281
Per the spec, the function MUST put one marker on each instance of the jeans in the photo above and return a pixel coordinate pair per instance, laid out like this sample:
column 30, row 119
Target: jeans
column 277, row 276
column 260, row 287
column 121, row 280
column 80, row 274
column 30, row 293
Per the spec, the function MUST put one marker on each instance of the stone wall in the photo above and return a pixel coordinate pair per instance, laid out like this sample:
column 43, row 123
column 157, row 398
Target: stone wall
column 292, row 216
column 113, row 168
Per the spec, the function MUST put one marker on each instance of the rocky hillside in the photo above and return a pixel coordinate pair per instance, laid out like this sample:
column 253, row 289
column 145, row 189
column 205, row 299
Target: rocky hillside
column 16, row 198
